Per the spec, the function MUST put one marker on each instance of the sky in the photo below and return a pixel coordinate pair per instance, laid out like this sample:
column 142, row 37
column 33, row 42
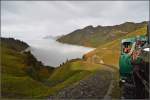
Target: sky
column 36, row 19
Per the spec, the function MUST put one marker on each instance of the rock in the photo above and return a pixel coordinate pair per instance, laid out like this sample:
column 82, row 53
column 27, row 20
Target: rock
column 93, row 87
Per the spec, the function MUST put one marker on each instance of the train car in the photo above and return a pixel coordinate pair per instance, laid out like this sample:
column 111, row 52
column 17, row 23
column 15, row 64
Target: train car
column 125, row 61
column 134, row 65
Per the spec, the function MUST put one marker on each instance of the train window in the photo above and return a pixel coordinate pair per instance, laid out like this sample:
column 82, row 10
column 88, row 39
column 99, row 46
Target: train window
column 141, row 43
column 127, row 47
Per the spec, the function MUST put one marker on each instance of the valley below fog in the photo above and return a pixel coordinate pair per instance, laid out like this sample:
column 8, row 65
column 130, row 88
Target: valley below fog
column 53, row 53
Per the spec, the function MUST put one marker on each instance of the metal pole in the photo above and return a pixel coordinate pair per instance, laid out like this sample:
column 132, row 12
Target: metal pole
column 148, row 33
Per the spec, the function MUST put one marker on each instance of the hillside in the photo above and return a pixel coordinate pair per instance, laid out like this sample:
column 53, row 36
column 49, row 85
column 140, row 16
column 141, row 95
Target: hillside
column 25, row 77
column 94, row 36
column 21, row 73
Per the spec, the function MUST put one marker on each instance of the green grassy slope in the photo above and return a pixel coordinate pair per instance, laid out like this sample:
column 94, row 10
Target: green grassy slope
column 68, row 74
column 15, row 79
column 72, row 72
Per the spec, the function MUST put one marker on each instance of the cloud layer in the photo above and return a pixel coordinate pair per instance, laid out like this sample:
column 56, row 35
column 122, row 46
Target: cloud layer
column 40, row 18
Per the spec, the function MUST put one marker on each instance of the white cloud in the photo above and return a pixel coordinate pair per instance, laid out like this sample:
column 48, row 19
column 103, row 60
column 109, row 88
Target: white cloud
column 40, row 18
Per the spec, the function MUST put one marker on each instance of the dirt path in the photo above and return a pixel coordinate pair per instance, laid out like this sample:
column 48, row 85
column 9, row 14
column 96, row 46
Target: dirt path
column 97, row 86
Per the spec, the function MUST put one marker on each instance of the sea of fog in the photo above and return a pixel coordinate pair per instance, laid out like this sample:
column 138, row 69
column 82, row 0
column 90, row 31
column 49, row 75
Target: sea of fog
column 52, row 53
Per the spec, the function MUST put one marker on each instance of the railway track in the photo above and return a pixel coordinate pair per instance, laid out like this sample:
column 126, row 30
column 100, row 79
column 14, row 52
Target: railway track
column 131, row 91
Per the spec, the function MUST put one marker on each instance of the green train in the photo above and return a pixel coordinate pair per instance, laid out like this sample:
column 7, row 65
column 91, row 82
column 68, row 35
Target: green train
column 125, row 62
column 134, row 64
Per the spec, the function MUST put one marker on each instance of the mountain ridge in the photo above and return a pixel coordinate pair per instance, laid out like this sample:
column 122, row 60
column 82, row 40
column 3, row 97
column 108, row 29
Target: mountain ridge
column 94, row 36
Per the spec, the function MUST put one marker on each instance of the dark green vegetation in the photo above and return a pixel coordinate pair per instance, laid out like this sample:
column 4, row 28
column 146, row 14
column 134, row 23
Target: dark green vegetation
column 95, row 36
column 15, row 45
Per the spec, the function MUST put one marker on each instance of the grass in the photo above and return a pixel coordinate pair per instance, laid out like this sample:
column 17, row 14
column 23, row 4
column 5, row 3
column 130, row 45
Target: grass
column 68, row 74
column 116, row 90
column 21, row 87
column 15, row 82
column 9, row 61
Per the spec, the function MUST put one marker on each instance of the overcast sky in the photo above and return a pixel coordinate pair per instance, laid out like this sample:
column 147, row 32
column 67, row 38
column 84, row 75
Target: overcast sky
column 30, row 19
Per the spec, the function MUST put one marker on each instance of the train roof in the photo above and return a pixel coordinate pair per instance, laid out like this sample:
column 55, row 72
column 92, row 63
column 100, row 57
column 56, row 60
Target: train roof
column 133, row 39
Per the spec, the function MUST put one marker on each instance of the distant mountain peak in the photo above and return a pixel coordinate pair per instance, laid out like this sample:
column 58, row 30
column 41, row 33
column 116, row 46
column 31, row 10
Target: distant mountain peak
column 89, row 27
column 98, row 26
